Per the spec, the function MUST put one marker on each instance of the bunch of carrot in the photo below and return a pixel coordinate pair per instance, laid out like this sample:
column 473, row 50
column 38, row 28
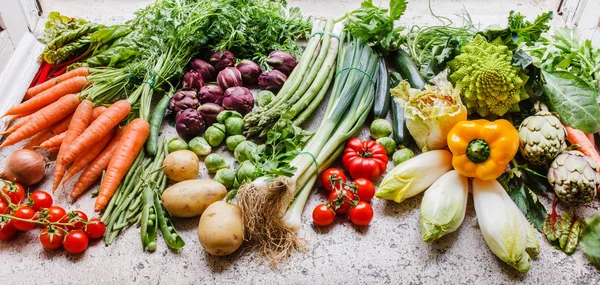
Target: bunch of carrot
column 89, row 138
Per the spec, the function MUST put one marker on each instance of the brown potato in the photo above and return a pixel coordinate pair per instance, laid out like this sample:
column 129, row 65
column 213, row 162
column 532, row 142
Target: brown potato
column 181, row 165
column 191, row 197
column 221, row 230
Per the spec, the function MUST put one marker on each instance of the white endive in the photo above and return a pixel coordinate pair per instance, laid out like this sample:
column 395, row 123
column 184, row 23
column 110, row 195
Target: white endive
column 444, row 205
column 414, row 175
column 504, row 228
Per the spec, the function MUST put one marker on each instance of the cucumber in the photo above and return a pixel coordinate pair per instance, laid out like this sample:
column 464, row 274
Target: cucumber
column 408, row 70
column 381, row 104
column 399, row 131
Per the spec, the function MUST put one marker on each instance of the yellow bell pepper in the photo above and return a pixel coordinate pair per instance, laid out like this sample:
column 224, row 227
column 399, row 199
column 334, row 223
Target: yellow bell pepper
column 481, row 148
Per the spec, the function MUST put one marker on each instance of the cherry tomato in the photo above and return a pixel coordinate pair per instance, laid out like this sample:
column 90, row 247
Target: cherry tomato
column 3, row 207
column 7, row 229
column 328, row 178
column 323, row 215
column 95, row 228
column 14, row 191
column 361, row 214
column 24, row 212
column 76, row 242
column 52, row 238
column 41, row 200
column 341, row 199
column 364, row 189
column 78, row 218
column 55, row 214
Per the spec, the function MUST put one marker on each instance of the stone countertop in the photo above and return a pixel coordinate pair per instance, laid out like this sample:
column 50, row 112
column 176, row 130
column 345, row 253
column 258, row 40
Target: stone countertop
column 389, row 251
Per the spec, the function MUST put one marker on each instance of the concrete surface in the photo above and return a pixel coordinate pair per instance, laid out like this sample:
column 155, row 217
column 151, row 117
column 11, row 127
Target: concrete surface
column 390, row 251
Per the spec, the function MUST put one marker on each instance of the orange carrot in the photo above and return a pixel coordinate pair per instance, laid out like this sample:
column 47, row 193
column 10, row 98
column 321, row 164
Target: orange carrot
column 47, row 133
column 82, row 71
column 54, row 141
column 17, row 125
column 98, row 111
column 81, row 120
column 575, row 136
column 97, row 130
column 131, row 143
column 82, row 161
column 54, row 149
column 44, row 118
column 94, row 170
column 40, row 101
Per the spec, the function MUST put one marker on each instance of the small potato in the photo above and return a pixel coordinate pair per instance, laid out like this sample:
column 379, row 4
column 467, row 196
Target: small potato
column 191, row 197
column 181, row 165
column 221, row 231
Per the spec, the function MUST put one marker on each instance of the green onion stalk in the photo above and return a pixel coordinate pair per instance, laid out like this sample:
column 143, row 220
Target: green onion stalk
column 307, row 84
column 272, row 208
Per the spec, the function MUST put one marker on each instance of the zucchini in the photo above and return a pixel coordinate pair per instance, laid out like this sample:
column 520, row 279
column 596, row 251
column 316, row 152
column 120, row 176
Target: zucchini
column 381, row 104
column 408, row 70
column 399, row 130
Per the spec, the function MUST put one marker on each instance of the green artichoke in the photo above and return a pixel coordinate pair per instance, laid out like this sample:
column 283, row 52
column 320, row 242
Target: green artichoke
column 574, row 177
column 542, row 138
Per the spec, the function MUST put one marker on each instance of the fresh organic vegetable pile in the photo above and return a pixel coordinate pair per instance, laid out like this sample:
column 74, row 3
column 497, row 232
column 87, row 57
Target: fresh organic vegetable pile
column 504, row 113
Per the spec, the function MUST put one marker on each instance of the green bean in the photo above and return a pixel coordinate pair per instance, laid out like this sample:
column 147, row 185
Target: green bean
column 155, row 123
column 149, row 224
column 172, row 239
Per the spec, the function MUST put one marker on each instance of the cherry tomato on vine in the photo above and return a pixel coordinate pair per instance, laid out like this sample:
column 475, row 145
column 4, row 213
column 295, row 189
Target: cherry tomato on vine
column 361, row 214
column 52, row 238
column 3, row 207
column 14, row 191
column 78, row 218
column 329, row 176
column 365, row 190
column 40, row 200
column 341, row 200
column 7, row 229
column 27, row 213
column 323, row 215
column 76, row 242
column 55, row 214
column 95, row 228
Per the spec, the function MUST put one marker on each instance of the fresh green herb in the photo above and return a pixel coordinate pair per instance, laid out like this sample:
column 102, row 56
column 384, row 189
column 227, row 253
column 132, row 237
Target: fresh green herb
column 519, row 30
column 563, row 232
column 590, row 241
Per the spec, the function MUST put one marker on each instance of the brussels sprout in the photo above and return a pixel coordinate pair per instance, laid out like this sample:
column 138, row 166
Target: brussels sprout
column 223, row 116
column 380, row 128
column 215, row 134
column 234, row 126
column 402, row 155
column 263, row 98
column 176, row 144
column 215, row 162
column 388, row 143
column 247, row 172
column 244, row 151
column 200, row 146
column 226, row 177
column 233, row 141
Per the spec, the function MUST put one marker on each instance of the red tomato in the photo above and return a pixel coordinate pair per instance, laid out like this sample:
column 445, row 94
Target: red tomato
column 95, row 228
column 329, row 178
column 341, row 200
column 14, row 191
column 361, row 214
column 27, row 213
column 7, row 230
column 3, row 207
column 77, row 218
column 364, row 159
column 52, row 238
column 364, row 189
column 323, row 215
column 41, row 200
column 55, row 214
column 76, row 242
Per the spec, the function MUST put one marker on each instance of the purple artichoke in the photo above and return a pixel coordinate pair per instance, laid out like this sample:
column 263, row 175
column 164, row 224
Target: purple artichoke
column 272, row 80
column 189, row 124
column 282, row 61
column 204, row 68
column 229, row 77
column 209, row 112
column 250, row 72
column 192, row 80
column 239, row 99
column 222, row 59
column 183, row 99
column 211, row 93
